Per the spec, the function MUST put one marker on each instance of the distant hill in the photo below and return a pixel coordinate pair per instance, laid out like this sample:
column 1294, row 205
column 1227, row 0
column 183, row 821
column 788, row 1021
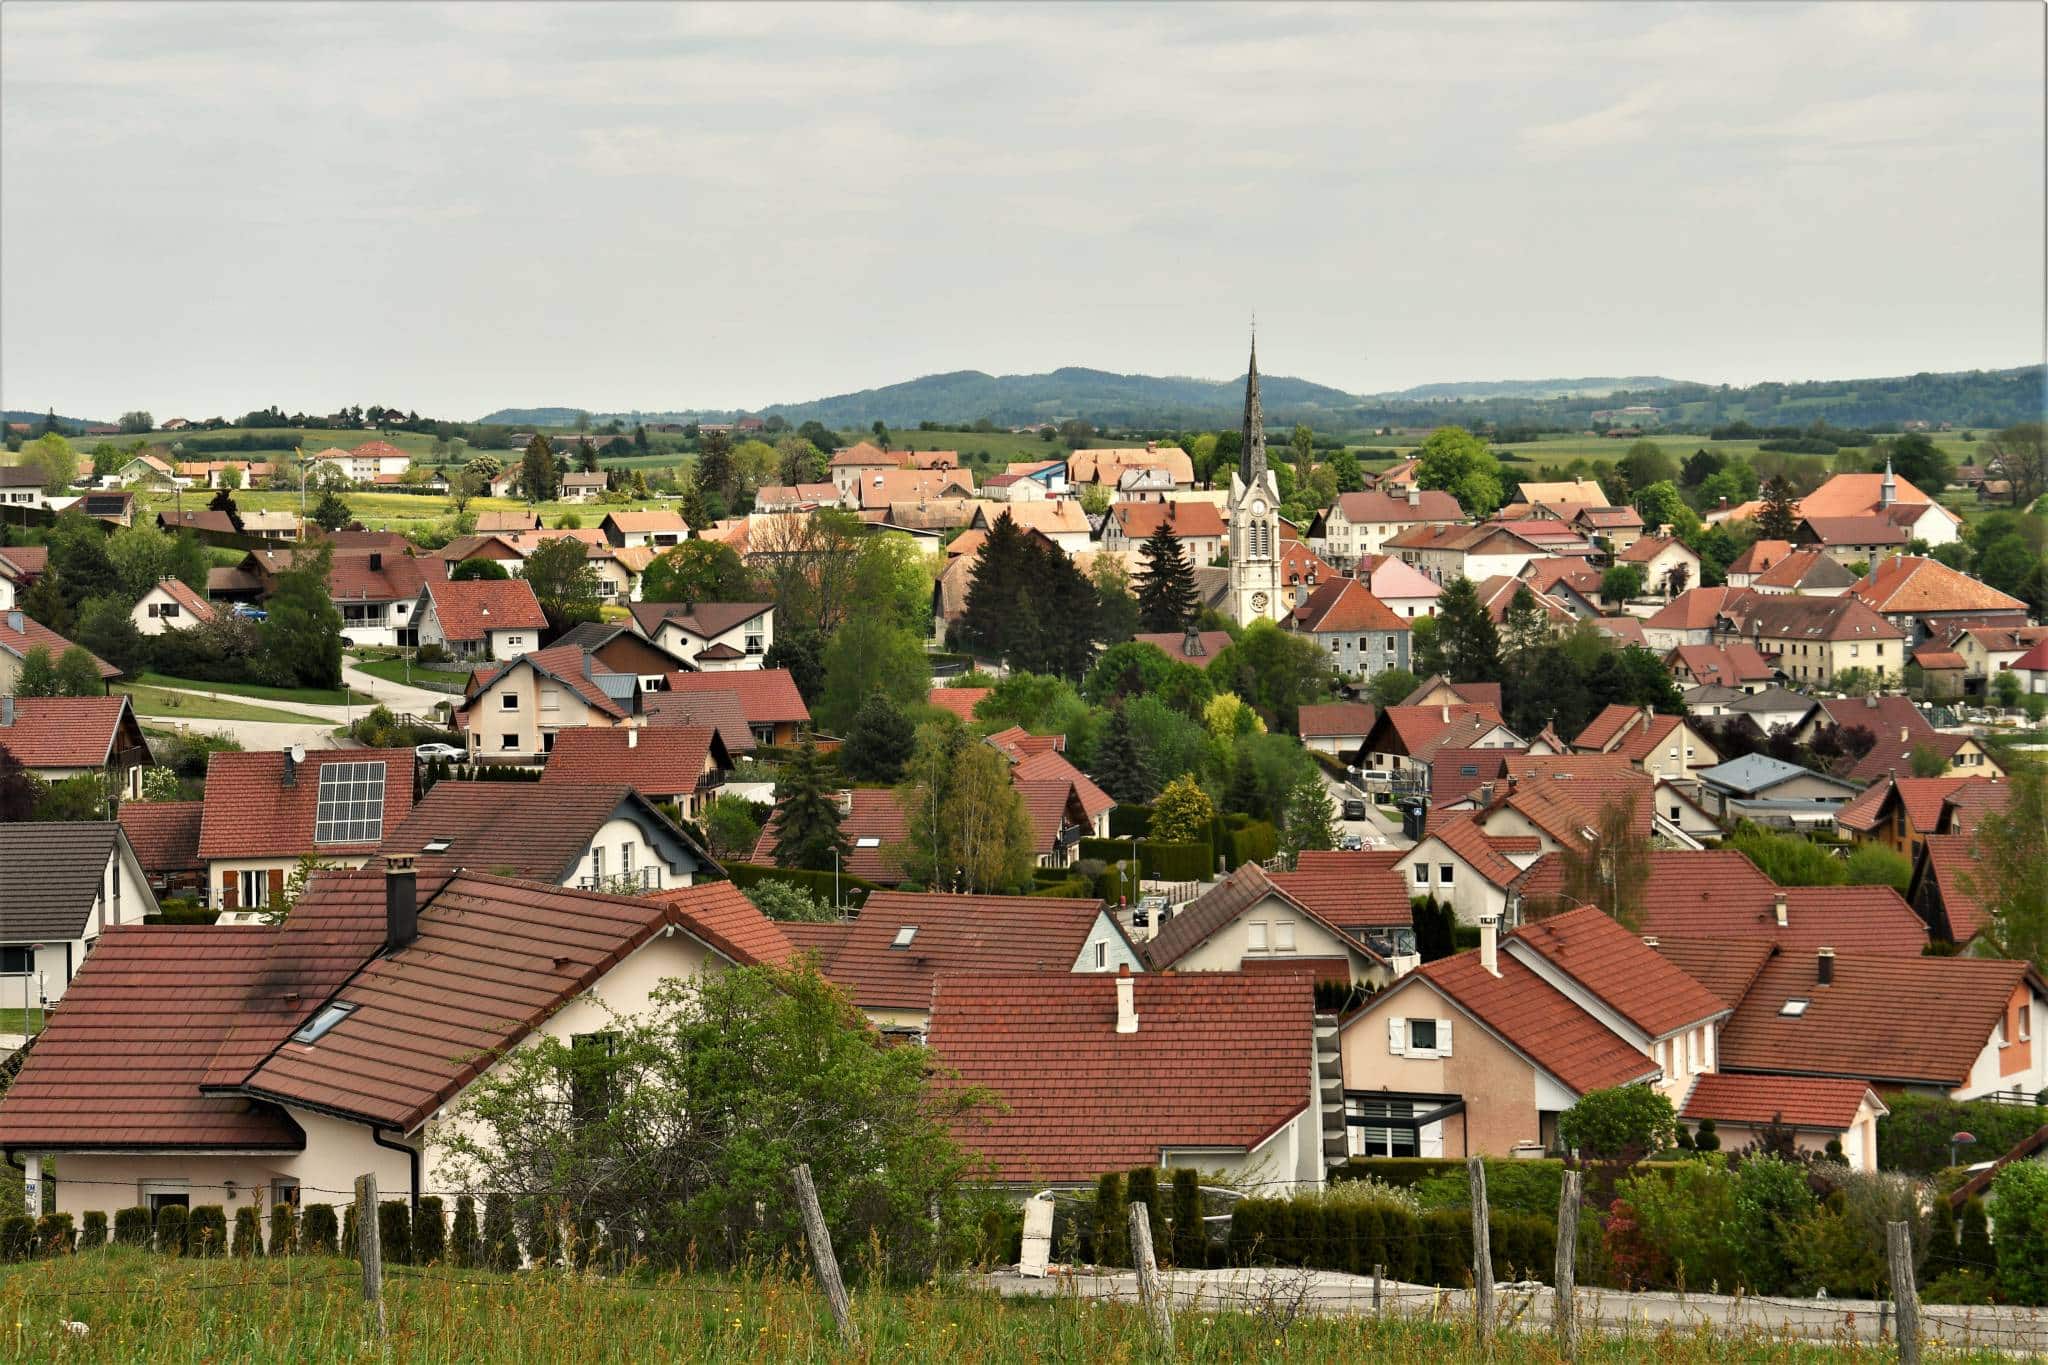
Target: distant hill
column 70, row 426
column 1472, row 390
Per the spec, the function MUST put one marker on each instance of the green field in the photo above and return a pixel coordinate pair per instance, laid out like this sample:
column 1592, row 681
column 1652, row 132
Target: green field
column 1564, row 448
column 166, row 704
column 395, row 670
column 20, row 1020
column 399, row 511
column 307, row 696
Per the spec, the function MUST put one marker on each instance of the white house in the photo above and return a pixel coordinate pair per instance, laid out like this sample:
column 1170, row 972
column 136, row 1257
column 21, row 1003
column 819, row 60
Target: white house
column 479, row 618
column 713, row 636
column 170, row 605
column 69, row 882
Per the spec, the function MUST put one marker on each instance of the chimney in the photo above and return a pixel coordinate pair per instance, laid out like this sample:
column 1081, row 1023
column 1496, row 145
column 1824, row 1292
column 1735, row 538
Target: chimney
column 632, row 738
column 401, row 901
column 1824, row 967
column 1905, row 734
column 1414, row 496
column 1778, row 908
column 1489, row 944
column 291, row 769
column 1446, row 711
column 1126, row 1001
column 1724, row 501
column 845, row 800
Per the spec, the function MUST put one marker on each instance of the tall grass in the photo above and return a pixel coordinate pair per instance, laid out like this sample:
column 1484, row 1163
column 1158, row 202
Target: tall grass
column 136, row 1306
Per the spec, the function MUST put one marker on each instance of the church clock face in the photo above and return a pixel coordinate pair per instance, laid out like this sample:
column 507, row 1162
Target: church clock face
column 1258, row 601
column 1258, row 507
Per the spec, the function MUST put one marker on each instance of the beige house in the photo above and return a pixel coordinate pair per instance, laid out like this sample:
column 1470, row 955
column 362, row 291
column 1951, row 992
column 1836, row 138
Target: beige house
column 1817, row 639
column 170, row 605
column 1249, row 921
column 1459, row 864
column 512, row 715
column 267, row 810
column 1360, row 524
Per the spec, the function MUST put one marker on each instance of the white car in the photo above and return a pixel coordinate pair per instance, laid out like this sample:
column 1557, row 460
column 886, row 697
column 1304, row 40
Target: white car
column 434, row 751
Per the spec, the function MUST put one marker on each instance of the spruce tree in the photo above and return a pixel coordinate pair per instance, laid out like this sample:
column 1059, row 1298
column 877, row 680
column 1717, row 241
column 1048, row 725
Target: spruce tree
column 1067, row 607
column 1467, row 635
column 1120, row 765
column 539, row 480
column 1778, row 518
column 807, row 814
column 1167, row 600
column 878, row 741
column 993, row 617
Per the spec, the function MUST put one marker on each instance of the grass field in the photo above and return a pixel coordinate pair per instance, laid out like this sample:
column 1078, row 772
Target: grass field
column 309, row 696
column 165, row 704
column 398, row 511
column 136, row 1306
column 19, row 1020
column 394, row 670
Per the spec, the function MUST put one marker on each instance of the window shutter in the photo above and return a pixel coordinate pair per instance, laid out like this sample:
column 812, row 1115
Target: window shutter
column 1397, row 1037
column 276, row 886
column 1443, row 1037
column 228, row 897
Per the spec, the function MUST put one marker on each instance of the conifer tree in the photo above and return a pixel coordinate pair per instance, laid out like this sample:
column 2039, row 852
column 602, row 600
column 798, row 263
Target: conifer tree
column 539, row 480
column 1466, row 634
column 808, row 817
column 1120, row 765
column 1167, row 600
column 1778, row 518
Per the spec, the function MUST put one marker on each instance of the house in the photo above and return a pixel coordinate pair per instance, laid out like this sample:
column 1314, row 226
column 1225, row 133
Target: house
column 1362, row 635
column 513, row 714
column 20, row 567
column 1769, row 791
column 1030, row 773
column 1663, row 746
column 165, row 837
column 56, row 738
column 1059, row 817
column 1902, row 812
column 889, row 958
column 876, row 830
column 579, row 486
column 850, row 464
column 774, row 709
column 1126, row 1070
column 1361, row 524
column 265, row 811
column 655, row 530
column 1445, row 553
column 170, row 605
column 68, row 882
column 1577, row 585
column 1816, row 639
column 1756, row 557
column 1500, row 593
column 115, row 505
column 1558, row 798
column 1852, row 541
column 1399, row 585
column 378, row 593
column 1925, row 598
column 1198, row 525
column 147, row 469
column 622, row 649
column 1817, row 1110
column 1059, row 520
column 21, row 485
column 1772, row 708
column 1688, row 619
column 1921, row 516
column 1197, row 647
column 1478, row 1053
column 1362, row 893
column 1404, row 738
column 21, row 635
column 1566, row 498
column 1248, row 920
column 802, row 497
column 1107, row 466
column 1458, row 864
column 593, row 835
column 712, row 636
column 880, row 489
column 1613, row 529
column 366, row 462
column 1808, row 573
column 1733, row 665
column 685, row 764
column 1336, row 728
column 1147, row 484
column 478, row 618
column 298, row 1058
column 1669, row 565
column 1897, row 728
column 1987, row 651
column 1438, row 690
column 2032, row 668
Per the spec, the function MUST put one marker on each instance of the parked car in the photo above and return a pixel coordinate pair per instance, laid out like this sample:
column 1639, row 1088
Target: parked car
column 1354, row 809
column 249, row 613
column 441, row 751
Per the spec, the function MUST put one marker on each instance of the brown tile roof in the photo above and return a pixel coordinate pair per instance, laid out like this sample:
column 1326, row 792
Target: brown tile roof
column 120, row 1063
column 1051, row 805
column 1809, row 570
column 1965, row 808
column 1540, row 1021
column 1695, row 608
column 720, row 914
column 568, row 665
column 164, row 834
column 1797, row 1101
column 1912, row 583
column 19, row 562
column 702, row 619
column 863, row 455
column 1889, row 1020
column 1728, row 665
column 467, row 609
column 1106, row 464
column 961, row 701
column 822, row 939
column 1472, row 693
column 1816, row 618
column 1455, row 774
column 509, row 829
column 68, row 732
column 195, row 606
column 1354, row 889
column 1141, row 520
column 954, row 934
column 1646, row 548
column 1871, row 530
column 393, row 578
column 1202, row 918
column 1172, row 644
column 1616, row 968
column 1604, row 729
column 1922, row 797
column 1432, row 504
column 659, row 762
column 1053, row 767
column 879, row 488
column 1626, row 629
column 251, row 812
column 1949, row 860
column 1337, row 720
column 647, row 521
column 767, row 695
column 719, row 710
column 1345, row 604
column 21, row 634
column 1219, row 1061
column 1727, row 967
column 875, row 827
column 487, row 522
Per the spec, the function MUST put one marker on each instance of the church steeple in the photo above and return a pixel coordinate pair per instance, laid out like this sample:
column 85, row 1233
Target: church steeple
column 1888, row 491
column 1251, row 458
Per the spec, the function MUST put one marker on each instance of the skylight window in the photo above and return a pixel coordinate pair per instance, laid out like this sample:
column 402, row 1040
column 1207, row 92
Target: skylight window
column 867, row 841
column 439, row 845
column 904, row 935
column 317, row 1027
column 1794, row 1007
column 351, row 809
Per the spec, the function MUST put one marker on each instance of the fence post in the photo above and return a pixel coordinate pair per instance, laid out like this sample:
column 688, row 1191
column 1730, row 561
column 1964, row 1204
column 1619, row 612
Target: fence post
column 1482, row 1250
column 1567, row 1260
column 369, row 1247
column 1377, row 1271
column 1154, row 1295
column 820, row 1238
column 1905, row 1297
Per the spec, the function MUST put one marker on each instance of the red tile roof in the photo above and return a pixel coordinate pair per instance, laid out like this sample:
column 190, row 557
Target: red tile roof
column 1219, row 1061
column 1345, row 605
column 961, row 701
column 1141, row 520
column 821, row 939
column 1017, row 742
column 1418, row 728
column 768, row 695
column 1052, row 805
column 67, row 732
column 720, row 711
column 252, row 813
column 119, row 1065
column 1337, row 720
column 1759, row 555
column 1455, row 774
column 1950, row 859
column 1889, row 1020
column 720, row 914
column 468, row 608
column 1053, row 767
column 1728, row 665
column 1727, row 967
column 1538, row 1020
column 195, row 606
column 1354, row 890
column 1431, row 504
column 507, row 829
column 1797, row 1101
column 19, row 562
column 1694, row 609
column 1911, row 583
column 1965, row 807
column 659, row 761
column 1923, row 798
column 1604, row 729
column 20, row 634
column 1616, row 968
column 566, row 664
column 876, row 815
column 394, row 578
column 1461, row 834
column 164, row 834
column 954, row 934
column 1172, row 644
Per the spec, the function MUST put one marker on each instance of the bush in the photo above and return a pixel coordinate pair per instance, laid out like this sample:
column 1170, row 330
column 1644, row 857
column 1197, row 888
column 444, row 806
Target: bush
column 1399, row 1171
column 1628, row 1121
column 430, row 1232
column 284, row 1230
column 206, row 1232
column 54, row 1236
column 819, row 884
column 1130, row 818
column 1914, row 1136
column 94, row 1234
column 317, row 1231
column 172, row 1223
column 501, row 1239
column 1112, row 1237
column 248, row 1232
column 469, row 1242
column 351, row 1240
column 1190, row 1236
column 1143, row 1188
column 1521, row 1187
column 17, row 1237
column 394, row 1231
column 2020, row 1195
column 131, row 1227
column 1254, row 843
column 1973, row 1242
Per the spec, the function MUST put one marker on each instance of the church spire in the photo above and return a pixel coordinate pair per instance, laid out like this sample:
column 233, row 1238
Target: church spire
column 1251, row 456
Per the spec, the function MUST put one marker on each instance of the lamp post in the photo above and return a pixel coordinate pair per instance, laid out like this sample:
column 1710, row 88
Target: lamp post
column 835, row 880
column 1956, row 1140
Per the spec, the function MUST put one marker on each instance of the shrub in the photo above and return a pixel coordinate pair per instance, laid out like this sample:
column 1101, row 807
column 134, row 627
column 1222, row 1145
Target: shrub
column 248, row 1232
column 132, row 1227
column 17, row 1237
column 94, row 1234
column 1190, row 1236
column 1914, row 1136
column 1143, row 1188
column 1772, row 1199
column 1629, row 1121
column 206, row 1232
column 172, row 1224
column 1689, row 1225
column 469, row 1242
column 430, row 1232
column 1112, row 1237
column 351, row 1242
column 2020, row 1194
column 1398, row 1170
column 1529, row 1187
column 1973, row 1241
column 501, row 1239
column 317, row 1232
column 394, row 1231
column 54, row 1236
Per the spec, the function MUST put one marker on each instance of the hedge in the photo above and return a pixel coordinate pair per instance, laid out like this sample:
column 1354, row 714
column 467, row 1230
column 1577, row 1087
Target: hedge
column 1434, row 1247
column 180, row 914
column 1254, row 843
column 1068, row 890
column 1156, row 859
column 1129, row 818
column 819, row 884
column 132, row 1227
column 1914, row 1136
column 1400, row 1171
column 206, row 1230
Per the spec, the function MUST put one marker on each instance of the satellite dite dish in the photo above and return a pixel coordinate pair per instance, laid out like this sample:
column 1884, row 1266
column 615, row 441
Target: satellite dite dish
column 298, row 753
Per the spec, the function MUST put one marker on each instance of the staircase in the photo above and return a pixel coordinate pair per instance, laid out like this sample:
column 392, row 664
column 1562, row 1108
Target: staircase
column 1330, row 1092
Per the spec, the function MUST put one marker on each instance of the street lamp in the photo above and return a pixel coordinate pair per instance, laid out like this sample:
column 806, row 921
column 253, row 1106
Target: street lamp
column 1955, row 1140
column 835, row 880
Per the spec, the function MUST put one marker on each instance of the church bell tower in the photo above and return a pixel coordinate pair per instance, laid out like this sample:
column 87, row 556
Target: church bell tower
column 1254, row 517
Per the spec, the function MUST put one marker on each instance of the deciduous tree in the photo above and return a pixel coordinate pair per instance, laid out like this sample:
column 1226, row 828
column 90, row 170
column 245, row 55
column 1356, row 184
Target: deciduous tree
column 1778, row 518
column 561, row 576
column 698, row 571
column 1455, row 460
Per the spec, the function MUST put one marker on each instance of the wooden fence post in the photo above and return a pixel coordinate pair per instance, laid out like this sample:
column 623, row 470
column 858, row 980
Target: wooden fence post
column 368, row 1245
column 1567, row 1260
column 820, row 1238
column 1377, row 1271
column 1905, row 1296
column 1482, row 1250
column 1155, row 1296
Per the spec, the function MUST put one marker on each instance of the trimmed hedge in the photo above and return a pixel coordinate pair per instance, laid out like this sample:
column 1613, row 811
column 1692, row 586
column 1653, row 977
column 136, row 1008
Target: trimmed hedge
column 249, row 1232
column 394, row 1231
column 172, row 1223
column 317, row 1231
column 94, row 1234
column 1432, row 1248
column 54, row 1236
column 180, row 914
column 1255, row 843
column 1401, row 1171
column 819, row 884
column 1068, row 890
column 1130, row 818
column 132, row 1227
column 1913, row 1137
column 430, row 1232
column 284, row 1230
column 206, row 1230
column 1156, row 859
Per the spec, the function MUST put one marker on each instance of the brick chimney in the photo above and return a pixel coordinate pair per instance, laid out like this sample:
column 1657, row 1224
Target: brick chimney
column 401, row 901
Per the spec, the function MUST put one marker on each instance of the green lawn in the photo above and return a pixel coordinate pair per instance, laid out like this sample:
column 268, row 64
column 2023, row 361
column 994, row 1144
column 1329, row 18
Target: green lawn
column 168, row 704
column 19, row 1020
column 394, row 670
column 308, row 696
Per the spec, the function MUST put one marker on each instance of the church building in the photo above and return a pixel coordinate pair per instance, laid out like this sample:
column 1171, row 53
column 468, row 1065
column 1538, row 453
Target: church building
column 1254, row 591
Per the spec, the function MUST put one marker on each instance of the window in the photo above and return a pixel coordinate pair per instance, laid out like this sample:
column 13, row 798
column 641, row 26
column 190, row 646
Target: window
column 508, row 741
column 1390, row 644
column 1422, row 874
column 160, row 1193
column 254, row 887
column 284, row 1190
column 508, row 701
column 1444, row 873
column 904, row 936
column 16, row 960
column 1283, row 936
column 1422, row 1035
column 596, row 863
column 1255, row 936
column 155, row 609
column 1370, row 1140
column 1794, row 1007
column 515, row 641
column 1101, row 956
column 316, row 1028
column 753, row 644
column 2026, row 1022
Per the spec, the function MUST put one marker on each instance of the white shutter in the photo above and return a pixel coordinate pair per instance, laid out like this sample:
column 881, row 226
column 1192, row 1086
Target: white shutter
column 1397, row 1037
column 1443, row 1037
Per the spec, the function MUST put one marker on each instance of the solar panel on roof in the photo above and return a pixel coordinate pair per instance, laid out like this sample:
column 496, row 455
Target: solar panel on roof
column 351, row 808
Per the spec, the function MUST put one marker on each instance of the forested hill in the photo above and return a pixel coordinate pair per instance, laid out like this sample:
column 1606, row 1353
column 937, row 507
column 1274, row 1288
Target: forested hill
column 1968, row 398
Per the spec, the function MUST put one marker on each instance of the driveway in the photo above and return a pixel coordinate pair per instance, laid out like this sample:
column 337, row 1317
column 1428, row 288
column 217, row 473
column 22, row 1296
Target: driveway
column 1375, row 830
column 261, row 735
column 418, row 701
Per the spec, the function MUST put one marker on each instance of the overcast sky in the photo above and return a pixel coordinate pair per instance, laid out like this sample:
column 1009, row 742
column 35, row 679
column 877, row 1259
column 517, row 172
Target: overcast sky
column 205, row 209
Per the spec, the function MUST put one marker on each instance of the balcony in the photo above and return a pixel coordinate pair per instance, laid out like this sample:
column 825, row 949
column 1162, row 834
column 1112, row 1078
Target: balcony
column 639, row 879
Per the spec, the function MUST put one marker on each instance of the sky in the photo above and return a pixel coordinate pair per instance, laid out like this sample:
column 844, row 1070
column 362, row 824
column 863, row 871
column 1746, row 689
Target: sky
column 206, row 209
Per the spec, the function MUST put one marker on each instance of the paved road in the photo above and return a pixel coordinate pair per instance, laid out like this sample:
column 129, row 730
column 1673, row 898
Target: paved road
column 418, row 701
column 256, row 735
column 1375, row 829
